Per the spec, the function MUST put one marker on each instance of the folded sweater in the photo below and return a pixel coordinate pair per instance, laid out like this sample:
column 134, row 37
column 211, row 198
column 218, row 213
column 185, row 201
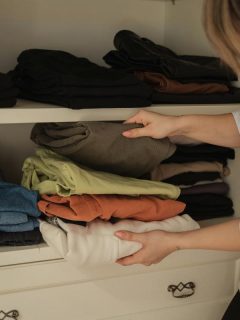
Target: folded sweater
column 50, row 173
column 96, row 244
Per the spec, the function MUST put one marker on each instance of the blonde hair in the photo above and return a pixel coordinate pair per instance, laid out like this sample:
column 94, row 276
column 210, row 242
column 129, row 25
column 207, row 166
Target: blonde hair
column 222, row 25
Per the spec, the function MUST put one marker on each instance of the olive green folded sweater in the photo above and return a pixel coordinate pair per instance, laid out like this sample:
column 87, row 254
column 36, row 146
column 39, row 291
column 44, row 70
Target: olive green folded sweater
column 50, row 173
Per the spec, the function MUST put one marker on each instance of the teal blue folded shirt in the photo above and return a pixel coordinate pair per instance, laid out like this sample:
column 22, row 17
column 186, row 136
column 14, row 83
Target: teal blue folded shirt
column 18, row 208
column 30, row 225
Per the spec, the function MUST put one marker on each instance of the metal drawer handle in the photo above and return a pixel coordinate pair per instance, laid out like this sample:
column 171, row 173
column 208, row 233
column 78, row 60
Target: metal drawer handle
column 177, row 289
column 13, row 314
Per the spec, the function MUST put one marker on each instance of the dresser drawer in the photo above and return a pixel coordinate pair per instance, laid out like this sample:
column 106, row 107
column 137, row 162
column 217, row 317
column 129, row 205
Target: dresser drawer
column 201, row 311
column 118, row 296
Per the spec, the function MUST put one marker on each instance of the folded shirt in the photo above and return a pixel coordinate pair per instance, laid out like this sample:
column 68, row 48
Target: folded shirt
column 24, row 238
column 50, row 173
column 58, row 77
column 201, row 152
column 17, row 202
column 101, row 146
column 163, row 84
column 96, row 244
column 233, row 96
column 168, row 170
column 190, row 178
column 199, row 183
column 8, row 102
column 207, row 206
column 215, row 188
column 31, row 224
column 8, row 91
column 6, row 82
column 89, row 102
column 90, row 207
column 10, row 218
column 184, row 140
column 136, row 53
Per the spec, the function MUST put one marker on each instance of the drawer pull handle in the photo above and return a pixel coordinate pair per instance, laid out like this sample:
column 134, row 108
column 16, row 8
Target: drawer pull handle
column 177, row 289
column 13, row 314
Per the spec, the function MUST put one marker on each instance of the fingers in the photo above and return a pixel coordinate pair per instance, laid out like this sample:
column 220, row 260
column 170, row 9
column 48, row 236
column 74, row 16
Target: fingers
column 130, row 260
column 129, row 236
column 137, row 118
column 136, row 133
column 137, row 258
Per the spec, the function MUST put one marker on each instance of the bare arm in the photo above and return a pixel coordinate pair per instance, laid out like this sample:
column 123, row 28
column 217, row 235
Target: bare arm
column 158, row 244
column 215, row 129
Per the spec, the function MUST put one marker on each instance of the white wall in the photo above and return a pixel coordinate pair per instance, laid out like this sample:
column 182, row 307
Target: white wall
column 184, row 31
column 83, row 27
column 87, row 27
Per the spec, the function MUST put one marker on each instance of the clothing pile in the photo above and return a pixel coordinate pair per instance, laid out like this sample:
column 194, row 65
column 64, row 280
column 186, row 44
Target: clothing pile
column 18, row 216
column 175, row 78
column 199, row 171
column 58, row 77
column 8, row 92
column 79, row 203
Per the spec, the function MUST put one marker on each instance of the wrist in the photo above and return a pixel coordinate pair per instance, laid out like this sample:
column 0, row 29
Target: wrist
column 181, row 126
column 178, row 240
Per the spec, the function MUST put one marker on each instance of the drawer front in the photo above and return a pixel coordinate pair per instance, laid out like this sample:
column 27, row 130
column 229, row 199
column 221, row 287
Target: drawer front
column 122, row 295
column 201, row 311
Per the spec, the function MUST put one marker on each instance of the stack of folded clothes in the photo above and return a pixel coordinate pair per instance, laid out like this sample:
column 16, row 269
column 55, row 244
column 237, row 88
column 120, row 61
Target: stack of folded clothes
column 8, row 92
column 199, row 171
column 71, row 195
column 60, row 78
column 18, row 216
column 175, row 78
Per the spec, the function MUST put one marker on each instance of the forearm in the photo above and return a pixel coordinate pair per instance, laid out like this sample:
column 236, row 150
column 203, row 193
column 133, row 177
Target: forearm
column 215, row 129
column 225, row 236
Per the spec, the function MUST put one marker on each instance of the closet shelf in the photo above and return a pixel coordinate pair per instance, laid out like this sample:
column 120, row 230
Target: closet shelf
column 11, row 256
column 31, row 112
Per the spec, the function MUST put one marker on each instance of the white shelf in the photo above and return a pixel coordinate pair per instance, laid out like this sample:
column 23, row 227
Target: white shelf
column 32, row 112
column 26, row 254
column 11, row 256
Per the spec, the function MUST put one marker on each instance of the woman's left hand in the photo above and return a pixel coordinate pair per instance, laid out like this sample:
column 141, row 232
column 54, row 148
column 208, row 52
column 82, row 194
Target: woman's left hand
column 156, row 246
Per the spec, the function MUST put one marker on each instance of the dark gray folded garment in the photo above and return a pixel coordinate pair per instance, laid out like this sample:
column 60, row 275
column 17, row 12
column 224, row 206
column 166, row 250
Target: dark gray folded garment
column 25, row 238
column 215, row 188
column 101, row 146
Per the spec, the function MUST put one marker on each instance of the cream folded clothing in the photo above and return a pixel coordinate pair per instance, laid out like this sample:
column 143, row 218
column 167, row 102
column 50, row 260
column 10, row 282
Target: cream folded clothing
column 96, row 244
column 50, row 173
column 167, row 170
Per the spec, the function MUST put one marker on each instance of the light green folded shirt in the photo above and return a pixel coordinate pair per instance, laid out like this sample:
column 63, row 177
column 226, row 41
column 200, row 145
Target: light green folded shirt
column 50, row 173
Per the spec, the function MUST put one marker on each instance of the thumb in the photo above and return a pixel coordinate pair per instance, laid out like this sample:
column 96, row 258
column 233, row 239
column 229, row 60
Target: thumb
column 136, row 133
column 129, row 236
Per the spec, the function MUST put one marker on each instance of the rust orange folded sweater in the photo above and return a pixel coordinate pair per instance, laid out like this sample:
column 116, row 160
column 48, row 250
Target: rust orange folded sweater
column 88, row 207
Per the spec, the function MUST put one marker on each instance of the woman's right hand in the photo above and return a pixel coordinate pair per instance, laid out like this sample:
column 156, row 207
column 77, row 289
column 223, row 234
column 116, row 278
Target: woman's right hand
column 155, row 125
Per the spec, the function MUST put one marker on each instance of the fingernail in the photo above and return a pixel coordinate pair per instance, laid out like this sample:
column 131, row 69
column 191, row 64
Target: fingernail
column 126, row 133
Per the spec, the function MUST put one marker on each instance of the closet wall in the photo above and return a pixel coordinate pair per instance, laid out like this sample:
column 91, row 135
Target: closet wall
column 184, row 30
column 82, row 27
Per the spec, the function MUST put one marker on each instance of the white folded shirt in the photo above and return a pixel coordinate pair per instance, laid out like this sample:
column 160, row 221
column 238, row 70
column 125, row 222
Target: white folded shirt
column 96, row 244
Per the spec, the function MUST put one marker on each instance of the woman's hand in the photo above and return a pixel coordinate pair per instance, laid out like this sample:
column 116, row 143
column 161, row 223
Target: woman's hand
column 156, row 246
column 155, row 125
